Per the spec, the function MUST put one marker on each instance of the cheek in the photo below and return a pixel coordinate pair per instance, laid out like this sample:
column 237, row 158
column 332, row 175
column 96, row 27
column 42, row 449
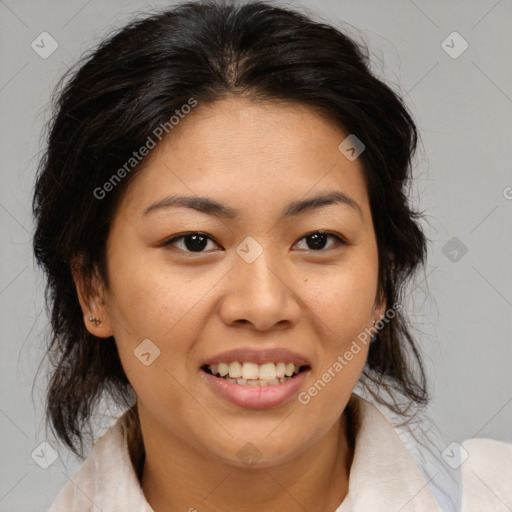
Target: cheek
column 343, row 298
column 148, row 297
column 148, row 303
column 322, row 402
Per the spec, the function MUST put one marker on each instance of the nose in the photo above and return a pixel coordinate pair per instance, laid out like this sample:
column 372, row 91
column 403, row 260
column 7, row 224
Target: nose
column 259, row 294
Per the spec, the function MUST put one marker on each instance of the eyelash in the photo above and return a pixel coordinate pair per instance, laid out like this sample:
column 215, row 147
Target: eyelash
column 172, row 240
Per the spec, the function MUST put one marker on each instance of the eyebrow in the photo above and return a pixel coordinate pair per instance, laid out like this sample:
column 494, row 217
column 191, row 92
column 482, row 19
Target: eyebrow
column 213, row 207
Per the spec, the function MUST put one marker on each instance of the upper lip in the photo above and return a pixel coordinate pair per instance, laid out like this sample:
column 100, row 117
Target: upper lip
column 259, row 356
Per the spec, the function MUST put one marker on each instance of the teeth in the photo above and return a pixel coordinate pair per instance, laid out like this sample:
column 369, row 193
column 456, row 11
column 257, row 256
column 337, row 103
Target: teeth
column 223, row 369
column 280, row 370
column 235, row 370
column 253, row 374
column 258, row 382
column 267, row 371
column 249, row 370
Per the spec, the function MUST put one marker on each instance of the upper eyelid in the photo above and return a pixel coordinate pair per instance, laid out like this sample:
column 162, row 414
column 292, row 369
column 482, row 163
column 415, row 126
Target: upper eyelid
column 168, row 241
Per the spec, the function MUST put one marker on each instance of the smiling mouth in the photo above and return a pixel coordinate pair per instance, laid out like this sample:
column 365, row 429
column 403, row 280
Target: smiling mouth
column 253, row 374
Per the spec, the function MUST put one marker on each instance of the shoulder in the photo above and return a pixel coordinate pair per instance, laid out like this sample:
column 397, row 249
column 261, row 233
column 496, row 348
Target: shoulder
column 107, row 479
column 486, row 476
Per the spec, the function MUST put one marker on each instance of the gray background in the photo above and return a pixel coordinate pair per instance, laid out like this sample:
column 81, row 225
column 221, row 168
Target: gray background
column 460, row 309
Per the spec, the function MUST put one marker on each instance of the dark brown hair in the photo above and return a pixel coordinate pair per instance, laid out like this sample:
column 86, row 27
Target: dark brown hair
column 131, row 84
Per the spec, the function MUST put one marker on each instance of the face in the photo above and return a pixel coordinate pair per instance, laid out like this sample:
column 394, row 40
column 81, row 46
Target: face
column 256, row 273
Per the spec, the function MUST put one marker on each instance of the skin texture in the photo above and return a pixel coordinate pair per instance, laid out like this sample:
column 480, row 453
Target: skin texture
column 255, row 158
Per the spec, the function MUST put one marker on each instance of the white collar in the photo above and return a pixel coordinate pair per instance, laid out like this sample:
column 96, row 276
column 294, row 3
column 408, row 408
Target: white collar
column 383, row 475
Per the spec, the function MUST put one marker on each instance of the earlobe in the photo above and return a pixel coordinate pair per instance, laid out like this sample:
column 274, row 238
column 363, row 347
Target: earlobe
column 379, row 310
column 380, row 313
column 98, row 326
column 92, row 301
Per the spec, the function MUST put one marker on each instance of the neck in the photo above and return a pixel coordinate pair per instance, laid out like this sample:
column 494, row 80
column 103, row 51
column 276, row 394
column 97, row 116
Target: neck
column 175, row 477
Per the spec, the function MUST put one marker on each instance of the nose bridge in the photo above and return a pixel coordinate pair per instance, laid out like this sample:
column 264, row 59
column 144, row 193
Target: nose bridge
column 262, row 274
column 258, row 292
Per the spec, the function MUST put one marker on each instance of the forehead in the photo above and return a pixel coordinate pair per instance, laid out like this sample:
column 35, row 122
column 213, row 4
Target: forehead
column 238, row 150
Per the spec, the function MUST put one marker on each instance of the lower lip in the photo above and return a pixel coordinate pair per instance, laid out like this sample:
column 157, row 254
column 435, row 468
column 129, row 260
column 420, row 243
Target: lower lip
column 255, row 397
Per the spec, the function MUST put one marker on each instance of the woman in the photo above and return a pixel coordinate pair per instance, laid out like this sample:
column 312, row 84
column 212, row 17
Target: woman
column 222, row 218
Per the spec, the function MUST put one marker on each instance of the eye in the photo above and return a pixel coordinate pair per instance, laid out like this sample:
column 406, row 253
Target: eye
column 318, row 240
column 190, row 242
column 197, row 242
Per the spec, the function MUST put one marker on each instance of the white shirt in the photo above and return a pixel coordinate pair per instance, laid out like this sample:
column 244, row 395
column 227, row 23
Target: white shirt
column 384, row 477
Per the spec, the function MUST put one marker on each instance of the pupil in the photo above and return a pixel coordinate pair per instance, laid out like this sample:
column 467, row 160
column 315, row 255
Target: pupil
column 195, row 242
column 317, row 240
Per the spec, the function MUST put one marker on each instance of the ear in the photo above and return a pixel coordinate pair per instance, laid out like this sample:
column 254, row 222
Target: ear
column 91, row 295
column 380, row 306
column 379, row 309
